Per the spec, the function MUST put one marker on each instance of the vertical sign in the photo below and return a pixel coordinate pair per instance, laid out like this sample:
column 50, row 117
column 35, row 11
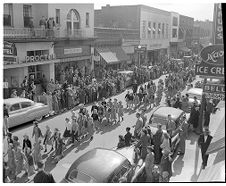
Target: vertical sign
column 218, row 27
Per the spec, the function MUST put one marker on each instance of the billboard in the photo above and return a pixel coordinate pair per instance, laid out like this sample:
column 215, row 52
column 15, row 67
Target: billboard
column 218, row 27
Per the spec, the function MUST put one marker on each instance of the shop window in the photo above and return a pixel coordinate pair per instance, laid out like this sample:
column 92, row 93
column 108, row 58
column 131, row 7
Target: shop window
column 174, row 33
column 8, row 14
column 87, row 19
column 27, row 15
column 36, row 71
column 57, row 16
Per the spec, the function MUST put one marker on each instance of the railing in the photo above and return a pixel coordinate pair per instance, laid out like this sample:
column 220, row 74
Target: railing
column 38, row 33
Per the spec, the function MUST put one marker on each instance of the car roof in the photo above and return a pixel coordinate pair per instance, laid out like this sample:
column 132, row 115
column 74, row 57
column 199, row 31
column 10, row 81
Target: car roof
column 98, row 163
column 11, row 101
column 164, row 111
column 125, row 72
column 196, row 91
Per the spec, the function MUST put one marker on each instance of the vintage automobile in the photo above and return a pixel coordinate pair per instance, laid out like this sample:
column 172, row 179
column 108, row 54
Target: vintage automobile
column 160, row 116
column 22, row 110
column 101, row 165
column 128, row 75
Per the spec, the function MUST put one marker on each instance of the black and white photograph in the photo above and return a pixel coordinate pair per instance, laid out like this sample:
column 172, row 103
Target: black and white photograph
column 113, row 91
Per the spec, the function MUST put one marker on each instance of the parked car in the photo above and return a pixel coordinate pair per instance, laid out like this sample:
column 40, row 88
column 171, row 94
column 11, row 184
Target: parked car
column 128, row 75
column 102, row 165
column 22, row 110
column 160, row 116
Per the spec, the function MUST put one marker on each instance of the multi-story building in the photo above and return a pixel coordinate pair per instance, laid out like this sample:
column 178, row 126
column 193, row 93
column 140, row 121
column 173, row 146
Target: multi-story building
column 185, row 33
column 148, row 27
column 46, row 38
column 202, row 33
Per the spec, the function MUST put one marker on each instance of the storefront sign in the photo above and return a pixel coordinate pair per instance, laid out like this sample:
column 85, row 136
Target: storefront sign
column 218, row 27
column 45, row 57
column 72, row 51
column 214, row 88
column 9, row 51
column 212, row 63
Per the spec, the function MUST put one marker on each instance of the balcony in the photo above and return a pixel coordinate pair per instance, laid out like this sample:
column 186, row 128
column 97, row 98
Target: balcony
column 38, row 33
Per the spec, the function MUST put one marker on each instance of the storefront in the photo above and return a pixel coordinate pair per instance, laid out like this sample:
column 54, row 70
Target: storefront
column 72, row 55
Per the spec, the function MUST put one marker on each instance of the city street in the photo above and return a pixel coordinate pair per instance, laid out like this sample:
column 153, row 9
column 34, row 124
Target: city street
column 186, row 168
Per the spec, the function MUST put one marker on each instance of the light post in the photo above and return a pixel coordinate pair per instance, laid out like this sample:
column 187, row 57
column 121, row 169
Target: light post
column 139, row 47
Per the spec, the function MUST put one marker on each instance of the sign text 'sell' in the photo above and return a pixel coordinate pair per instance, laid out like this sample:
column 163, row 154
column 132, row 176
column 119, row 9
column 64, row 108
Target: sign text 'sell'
column 212, row 63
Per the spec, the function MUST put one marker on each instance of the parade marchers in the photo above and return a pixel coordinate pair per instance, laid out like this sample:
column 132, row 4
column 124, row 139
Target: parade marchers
column 82, row 125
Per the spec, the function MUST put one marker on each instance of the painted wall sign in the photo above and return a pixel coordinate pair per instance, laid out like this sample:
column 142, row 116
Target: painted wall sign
column 72, row 51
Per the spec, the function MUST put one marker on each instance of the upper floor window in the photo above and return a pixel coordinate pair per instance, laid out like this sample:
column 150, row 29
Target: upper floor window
column 154, row 30
column 8, row 14
column 87, row 19
column 57, row 16
column 163, row 30
column 149, row 29
column 174, row 33
column 144, row 29
column 159, row 29
column 27, row 15
column 175, row 21
column 167, row 31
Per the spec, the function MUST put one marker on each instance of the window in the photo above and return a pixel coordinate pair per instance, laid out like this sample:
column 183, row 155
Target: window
column 27, row 15
column 15, row 107
column 120, row 174
column 167, row 31
column 25, row 104
column 154, row 27
column 159, row 30
column 149, row 29
column 175, row 21
column 76, row 176
column 174, row 33
column 163, row 30
column 144, row 29
column 36, row 71
column 87, row 19
column 57, row 16
column 8, row 14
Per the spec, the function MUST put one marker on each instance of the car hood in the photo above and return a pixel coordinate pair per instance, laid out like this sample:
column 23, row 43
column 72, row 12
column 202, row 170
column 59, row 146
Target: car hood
column 128, row 152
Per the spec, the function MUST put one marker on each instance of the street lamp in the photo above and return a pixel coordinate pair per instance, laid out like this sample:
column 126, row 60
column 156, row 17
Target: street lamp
column 139, row 47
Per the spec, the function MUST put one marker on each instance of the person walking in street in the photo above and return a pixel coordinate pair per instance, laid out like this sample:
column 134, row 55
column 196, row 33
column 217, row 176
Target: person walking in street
column 149, row 164
column 67, row 131
column 74, row 130
column 120, row 111
column 29, row 162
column 42, row 176
column 166, row 163
column 170, row 127
column 194, row 117
column 37, row 133
column 6, row 116
column 26, row 143
column 157, row 141
column 37, row 152
column 138, row 126
column 11, row 162
column 47, row 139
column 59, row 148
column 204, row 142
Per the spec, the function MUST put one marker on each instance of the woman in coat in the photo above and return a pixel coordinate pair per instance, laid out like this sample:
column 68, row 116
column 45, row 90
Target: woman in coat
column 11, row 162
column 19, row 157
column 37, row 152
column 59, row 148
column 55, row 103
column 47, row 140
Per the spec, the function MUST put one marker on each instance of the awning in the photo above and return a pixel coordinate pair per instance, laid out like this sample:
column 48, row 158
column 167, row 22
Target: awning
column 112, row 55
column 213, row 173
column 184, row 49
column 218, row 141
column 221, row 104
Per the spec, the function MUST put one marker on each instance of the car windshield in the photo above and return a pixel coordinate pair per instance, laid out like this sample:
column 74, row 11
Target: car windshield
column 156, row 120
column 76, row 176
column 199, row 97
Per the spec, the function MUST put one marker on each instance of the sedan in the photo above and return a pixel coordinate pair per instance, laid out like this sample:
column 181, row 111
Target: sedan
column 102, row 165
column 22, row 110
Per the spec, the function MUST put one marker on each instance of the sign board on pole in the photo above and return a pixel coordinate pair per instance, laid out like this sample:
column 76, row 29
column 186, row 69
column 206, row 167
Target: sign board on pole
column 212, row 63
column 141, row 49
column 218, row 27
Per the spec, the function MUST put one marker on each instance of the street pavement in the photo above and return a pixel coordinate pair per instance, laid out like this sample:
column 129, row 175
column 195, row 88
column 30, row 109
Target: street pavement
column 185, row 168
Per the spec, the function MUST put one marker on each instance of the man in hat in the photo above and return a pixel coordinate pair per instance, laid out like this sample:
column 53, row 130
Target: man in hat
column 43, row 176
column 204, row 142
column 36, row 131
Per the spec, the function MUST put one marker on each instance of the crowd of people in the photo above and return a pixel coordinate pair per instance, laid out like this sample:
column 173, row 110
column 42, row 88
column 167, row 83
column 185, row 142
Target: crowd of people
column 75, row 88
